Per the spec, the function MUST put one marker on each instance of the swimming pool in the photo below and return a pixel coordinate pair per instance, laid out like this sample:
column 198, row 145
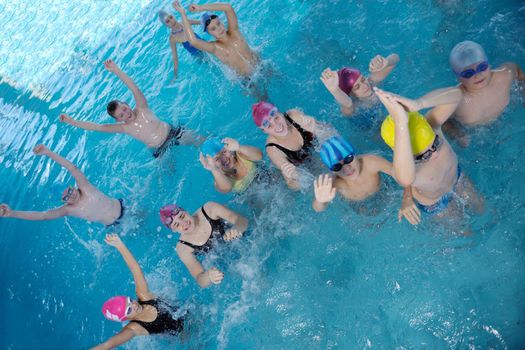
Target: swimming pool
column 335, row 280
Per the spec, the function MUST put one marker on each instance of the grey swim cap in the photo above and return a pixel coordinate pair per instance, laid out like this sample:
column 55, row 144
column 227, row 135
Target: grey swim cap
column 464, row 54
column 162, row 16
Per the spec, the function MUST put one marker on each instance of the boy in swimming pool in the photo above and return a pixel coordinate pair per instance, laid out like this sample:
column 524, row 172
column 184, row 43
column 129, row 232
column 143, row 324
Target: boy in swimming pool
column 481, row 96
column 84, row 201
column 230, row 47
column 424, row 163
column 140, row 123
column 348, row 82
column 356, row 177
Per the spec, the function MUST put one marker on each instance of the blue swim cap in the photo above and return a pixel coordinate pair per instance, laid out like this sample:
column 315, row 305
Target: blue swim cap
column 162, row 16
column 205, row 21
column 211, row 147
column 334, row 150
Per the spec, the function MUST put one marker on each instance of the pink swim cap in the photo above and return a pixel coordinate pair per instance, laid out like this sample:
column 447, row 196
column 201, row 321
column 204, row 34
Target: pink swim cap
column 260, row 111
column 167, row 211
column 347, row 78
column 114, row 309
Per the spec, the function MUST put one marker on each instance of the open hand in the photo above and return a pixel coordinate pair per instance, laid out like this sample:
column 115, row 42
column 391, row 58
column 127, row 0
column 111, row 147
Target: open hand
column 393, row 107
column 409, row 211
column 289, row 171
column 232, row 234
column 178, row 7
column 207, row 162
column 323, row 189
column 4, row 210
column 40, row 150
column 377, row 64
column 231, row 144
column 113, row 240
column 111, row 66
column 330, row 79
column 408, row 104
column 215, row 275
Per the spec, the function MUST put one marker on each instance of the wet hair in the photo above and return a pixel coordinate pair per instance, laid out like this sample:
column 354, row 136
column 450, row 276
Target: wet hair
column 112, row 107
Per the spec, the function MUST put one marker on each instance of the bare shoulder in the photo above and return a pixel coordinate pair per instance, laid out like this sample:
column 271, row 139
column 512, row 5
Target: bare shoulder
column 182, row 249
column 295, row 114
column 507, row 68
column 212, row 208
column 374, row 162
column 136, row 328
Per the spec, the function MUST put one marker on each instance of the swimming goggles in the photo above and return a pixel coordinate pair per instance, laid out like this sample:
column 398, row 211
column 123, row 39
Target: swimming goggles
column 266, row 121
column 69, row 194
column 428, row 153
column 346, row 160
column 129, row 305
column 469, row 73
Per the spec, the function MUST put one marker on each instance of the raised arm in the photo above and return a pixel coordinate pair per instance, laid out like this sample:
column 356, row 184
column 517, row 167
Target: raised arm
column 330, row 80
column 79, row 176
column 222, row 182
column 324, row 192
column 110, row 128
column 7, row 212
column 218, row 211
column 287, row 169
column 381, row 67
column 194, row 41
column 404, row 166
column 444, row 100
column 173, row 46
column 203, row 277
column 247, row 152
column 122, row 337
column 231, row 16
column 141, row 286
column 140, row 100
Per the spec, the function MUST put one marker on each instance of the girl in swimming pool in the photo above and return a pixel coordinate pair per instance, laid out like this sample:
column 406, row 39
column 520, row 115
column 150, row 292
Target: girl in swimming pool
column 200, row 232
column 291, row 137
column 350, row 82
column 177, row 36
column 232, row 165
column 147, row 315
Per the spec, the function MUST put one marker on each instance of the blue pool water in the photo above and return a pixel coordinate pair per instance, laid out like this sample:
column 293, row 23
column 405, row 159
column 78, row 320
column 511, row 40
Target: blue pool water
column 336, row 280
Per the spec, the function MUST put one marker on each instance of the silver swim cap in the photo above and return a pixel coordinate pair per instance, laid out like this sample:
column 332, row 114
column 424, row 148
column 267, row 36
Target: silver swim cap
column 162, row 16
column 465, row 54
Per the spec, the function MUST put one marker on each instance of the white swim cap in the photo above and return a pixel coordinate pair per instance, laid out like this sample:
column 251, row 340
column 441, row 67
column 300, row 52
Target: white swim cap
column 465, row 54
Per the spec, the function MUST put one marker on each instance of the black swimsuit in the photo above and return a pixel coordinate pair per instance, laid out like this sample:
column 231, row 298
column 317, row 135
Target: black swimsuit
column 164, row 323
column 299, row 156
column 218, row 228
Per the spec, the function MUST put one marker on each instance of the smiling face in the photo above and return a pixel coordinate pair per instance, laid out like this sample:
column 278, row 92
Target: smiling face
column 477, row 81
column 182, row 222
column 216, row 28
column 225, row 159
column 362, row 87
column 350, row 171
column 123, row 113
column 275, row 124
